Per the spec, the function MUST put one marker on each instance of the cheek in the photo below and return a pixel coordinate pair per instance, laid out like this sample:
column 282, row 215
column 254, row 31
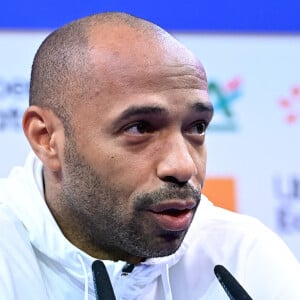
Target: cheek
column 125, row 171
column 200, row 160
column 203, row 158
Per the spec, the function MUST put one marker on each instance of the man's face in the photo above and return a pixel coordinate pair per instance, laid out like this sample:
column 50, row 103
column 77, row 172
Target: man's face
column 135, row 165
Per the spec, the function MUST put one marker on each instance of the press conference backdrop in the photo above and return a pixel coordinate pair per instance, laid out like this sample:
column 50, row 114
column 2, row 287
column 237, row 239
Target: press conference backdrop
column 254, row 83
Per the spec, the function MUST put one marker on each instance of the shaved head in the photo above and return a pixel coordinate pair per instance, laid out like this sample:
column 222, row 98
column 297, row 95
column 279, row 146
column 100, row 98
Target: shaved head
column 62, row 70
column 118, row 113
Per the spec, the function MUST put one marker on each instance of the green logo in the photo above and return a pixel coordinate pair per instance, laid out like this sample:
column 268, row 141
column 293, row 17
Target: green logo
column 223, row 98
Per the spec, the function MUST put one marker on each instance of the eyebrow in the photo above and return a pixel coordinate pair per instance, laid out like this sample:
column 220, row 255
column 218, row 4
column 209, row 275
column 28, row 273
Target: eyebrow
column 202, row 107
column 141, row 110
column 158, row 110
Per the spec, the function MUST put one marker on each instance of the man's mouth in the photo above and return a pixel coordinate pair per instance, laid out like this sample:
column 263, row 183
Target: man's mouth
column 173, row 215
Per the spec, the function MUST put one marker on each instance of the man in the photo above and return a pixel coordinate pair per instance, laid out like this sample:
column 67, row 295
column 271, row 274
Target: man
column 117, row 120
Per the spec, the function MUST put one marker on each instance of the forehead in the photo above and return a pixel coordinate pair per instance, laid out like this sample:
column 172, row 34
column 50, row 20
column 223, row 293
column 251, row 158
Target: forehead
column 173, row 87
column 158, row 78
column 132, row 79
column 127, row 69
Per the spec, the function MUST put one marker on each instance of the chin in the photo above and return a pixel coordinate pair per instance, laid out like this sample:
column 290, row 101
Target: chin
column 168, row 244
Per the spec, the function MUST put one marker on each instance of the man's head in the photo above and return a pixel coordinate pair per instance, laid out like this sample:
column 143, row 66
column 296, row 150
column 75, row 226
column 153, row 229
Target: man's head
column 118, row 115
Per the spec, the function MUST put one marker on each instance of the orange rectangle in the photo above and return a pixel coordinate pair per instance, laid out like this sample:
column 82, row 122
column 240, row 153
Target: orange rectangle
column 221, row 191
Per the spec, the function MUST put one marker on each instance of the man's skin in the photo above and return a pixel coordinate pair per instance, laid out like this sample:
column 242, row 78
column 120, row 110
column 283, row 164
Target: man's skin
column 125, row 184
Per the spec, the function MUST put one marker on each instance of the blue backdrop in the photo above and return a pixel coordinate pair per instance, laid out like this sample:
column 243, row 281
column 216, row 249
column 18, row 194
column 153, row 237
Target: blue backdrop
column 192, row 15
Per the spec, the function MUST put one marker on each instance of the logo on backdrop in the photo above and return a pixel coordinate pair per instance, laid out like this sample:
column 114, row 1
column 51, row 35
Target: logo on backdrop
column 224, row 98
column 221, row 191
column 13, row 102
column 287, row 191
column 290, row 105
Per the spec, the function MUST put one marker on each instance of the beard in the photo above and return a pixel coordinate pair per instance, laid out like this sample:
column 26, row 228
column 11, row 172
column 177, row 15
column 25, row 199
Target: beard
column 112, row 222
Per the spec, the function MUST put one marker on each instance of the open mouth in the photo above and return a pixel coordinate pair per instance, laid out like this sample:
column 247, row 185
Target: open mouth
column 174, row 212
column 173, row 219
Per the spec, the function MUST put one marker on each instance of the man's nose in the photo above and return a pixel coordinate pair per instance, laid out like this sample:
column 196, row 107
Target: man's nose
column 177, row 162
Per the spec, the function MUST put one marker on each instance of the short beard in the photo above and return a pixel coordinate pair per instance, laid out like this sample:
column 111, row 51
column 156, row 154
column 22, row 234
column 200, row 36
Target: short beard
column 100, row 211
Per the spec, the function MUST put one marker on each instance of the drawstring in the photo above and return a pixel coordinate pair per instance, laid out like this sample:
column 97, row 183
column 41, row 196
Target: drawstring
column 86, row 278
column 166, row 283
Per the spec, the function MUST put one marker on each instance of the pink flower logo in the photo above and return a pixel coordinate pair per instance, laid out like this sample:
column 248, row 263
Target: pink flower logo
column 291, row 105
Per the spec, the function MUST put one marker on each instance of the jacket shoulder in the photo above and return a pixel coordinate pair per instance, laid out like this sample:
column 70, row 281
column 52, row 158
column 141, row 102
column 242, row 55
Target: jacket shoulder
column 19, row 269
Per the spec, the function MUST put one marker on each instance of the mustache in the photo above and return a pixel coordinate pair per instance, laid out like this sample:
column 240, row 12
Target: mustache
column 169, row 191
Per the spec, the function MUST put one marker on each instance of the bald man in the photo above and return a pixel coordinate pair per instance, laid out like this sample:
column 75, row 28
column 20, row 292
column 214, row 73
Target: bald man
column 108, row 205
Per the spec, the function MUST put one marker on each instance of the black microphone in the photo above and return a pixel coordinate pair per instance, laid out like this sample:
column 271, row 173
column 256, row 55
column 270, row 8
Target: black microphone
column 103, row 287
column 231, row 286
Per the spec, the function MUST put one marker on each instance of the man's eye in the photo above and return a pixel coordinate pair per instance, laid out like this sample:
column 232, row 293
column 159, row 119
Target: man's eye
column 198, row 128
column 139, row 128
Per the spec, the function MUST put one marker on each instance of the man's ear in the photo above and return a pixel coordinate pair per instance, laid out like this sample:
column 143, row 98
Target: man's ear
column 45, row 134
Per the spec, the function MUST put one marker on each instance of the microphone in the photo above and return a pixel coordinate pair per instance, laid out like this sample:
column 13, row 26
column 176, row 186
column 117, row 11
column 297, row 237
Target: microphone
column 231, row 286
column 103, row 287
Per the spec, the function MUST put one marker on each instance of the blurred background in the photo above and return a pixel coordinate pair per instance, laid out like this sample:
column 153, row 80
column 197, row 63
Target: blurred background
column 251, row 52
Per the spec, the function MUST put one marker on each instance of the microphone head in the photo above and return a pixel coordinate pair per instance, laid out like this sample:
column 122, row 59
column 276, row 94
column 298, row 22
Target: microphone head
column 103, row 287
column 231, row 286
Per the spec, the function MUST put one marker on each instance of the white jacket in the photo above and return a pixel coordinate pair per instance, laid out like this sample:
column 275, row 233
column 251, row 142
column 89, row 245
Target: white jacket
column 37, row 262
